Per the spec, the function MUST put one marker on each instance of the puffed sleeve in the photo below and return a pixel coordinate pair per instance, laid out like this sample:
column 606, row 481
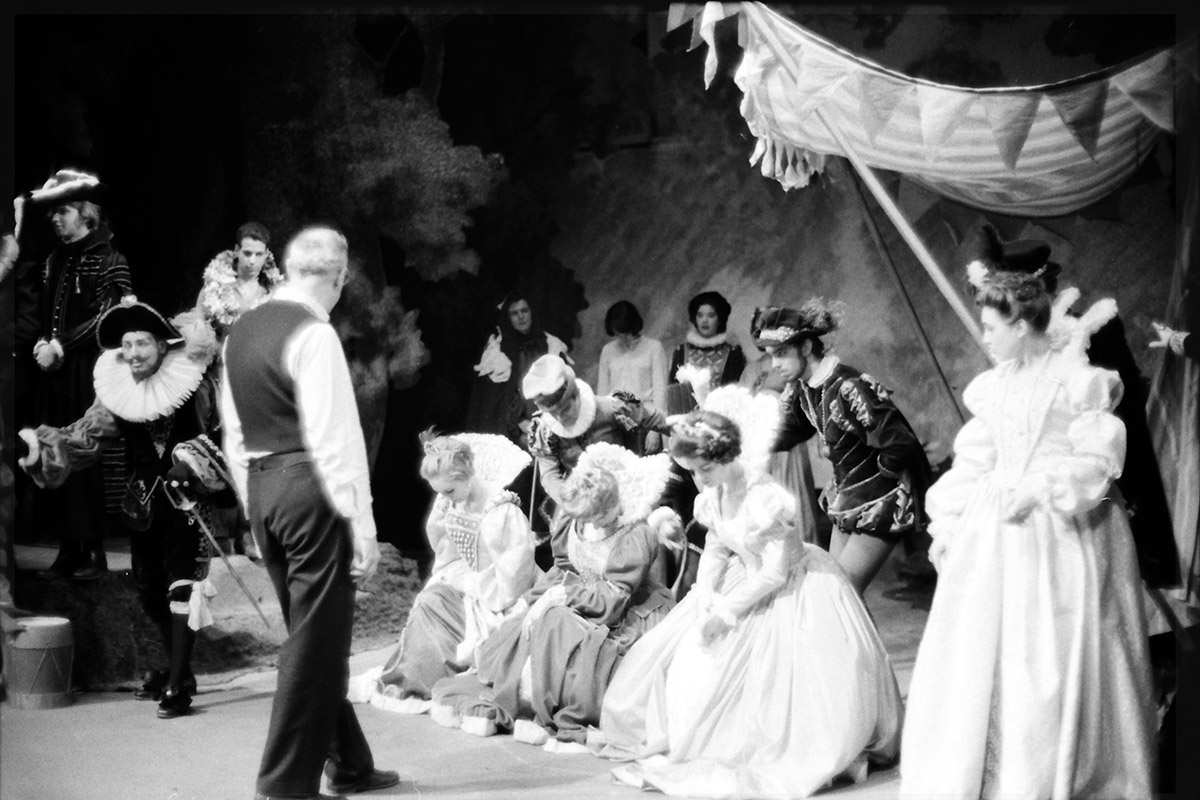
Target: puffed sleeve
column 880, row 424
column 715, row 556
column 770, row 512
column 604, row 601
column 505, row 556
column 1082, row 478
column 974, row 458
column 75, row 447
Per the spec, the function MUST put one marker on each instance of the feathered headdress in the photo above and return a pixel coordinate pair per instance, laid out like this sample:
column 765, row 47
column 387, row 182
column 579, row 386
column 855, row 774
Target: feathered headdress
column 757, row 417
column 640, row 480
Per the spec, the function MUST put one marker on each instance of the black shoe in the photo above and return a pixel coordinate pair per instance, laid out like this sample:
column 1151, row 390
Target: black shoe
column 93, row 563
column 69, row 559
column 375, row 779
column 176, row 702
column 153, row 684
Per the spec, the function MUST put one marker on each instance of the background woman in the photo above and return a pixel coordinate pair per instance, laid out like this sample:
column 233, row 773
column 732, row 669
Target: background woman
column 706, row 346
column 631, row 362
column 768, row 679
column 496, row 404
column 1032, row 678
column 483, row 564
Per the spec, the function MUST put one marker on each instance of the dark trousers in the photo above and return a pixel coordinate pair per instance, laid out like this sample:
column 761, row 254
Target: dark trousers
column 307, row 552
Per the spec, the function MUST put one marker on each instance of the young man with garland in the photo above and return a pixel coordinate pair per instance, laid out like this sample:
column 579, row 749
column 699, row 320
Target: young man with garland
column 154, row 388
column 240, row 279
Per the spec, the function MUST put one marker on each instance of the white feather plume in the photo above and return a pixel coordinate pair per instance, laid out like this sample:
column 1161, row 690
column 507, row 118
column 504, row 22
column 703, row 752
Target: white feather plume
column 497, row 460
column 641, row 481
column 757, row 417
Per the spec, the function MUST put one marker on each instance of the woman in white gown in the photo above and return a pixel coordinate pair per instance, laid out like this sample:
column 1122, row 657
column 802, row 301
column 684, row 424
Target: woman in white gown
column 768, row 680
column 1032, row 677
column 483, row 564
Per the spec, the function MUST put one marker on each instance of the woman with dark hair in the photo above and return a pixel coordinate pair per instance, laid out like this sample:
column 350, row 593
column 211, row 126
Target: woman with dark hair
column 768, row 679
column 707, row 347
column 880, row 471
column 631, row 362
column 496, row 404
column 1033, row 678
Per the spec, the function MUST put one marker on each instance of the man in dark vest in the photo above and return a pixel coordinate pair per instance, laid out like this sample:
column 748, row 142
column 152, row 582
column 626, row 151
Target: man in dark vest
column 299, row 463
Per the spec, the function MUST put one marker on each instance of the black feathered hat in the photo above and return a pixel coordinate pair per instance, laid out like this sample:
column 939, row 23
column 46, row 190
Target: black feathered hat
column 774, row 325
column 1022, row 255
column 131, row 315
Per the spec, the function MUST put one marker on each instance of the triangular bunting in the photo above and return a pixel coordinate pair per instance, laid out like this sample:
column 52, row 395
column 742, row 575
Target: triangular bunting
column 713, row 13
column 820, row 78
column 878, row 97
column 1081, row 109
column 915, row 200
column 940, row 110
column 1150, row 86
column 1010, row 117
column 679, row 13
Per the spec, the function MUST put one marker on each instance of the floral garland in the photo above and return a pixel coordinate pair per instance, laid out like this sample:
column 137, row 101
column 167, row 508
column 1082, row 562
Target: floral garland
column 219, row 298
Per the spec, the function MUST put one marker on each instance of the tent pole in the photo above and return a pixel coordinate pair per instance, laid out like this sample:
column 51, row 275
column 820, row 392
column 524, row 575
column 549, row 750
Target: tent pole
column 887, row 256
column 881, row 195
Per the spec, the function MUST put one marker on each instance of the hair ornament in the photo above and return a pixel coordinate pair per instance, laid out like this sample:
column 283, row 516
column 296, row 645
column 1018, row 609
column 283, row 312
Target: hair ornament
column 977, row 274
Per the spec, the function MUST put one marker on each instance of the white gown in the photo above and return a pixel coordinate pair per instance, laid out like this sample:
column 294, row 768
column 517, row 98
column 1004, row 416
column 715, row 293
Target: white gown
column 799, row 691
column 1032, row 679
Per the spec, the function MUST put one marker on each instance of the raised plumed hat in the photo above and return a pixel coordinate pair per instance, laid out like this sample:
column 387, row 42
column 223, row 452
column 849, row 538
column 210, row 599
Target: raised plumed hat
column 132, row 315
column 68, row 186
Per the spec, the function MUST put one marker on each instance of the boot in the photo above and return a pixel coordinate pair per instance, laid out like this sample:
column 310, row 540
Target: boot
column 176, row 699
column 93, row 562
column 70, row 556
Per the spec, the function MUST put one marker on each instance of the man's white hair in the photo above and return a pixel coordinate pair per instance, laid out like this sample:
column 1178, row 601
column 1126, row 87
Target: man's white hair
column 317, row 251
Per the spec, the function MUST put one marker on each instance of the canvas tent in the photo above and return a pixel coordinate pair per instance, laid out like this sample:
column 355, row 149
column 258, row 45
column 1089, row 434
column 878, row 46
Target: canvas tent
column 1032, row 151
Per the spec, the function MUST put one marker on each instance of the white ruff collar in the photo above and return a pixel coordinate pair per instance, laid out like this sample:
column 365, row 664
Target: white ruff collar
column 823, row 371
column 157, row 396
column 587, row 414
column 696, row 340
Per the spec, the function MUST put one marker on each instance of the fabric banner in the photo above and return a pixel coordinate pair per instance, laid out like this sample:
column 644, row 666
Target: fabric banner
column 1035, row 151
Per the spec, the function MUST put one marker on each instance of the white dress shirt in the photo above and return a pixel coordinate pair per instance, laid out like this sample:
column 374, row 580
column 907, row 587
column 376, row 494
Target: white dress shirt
column 314, row 359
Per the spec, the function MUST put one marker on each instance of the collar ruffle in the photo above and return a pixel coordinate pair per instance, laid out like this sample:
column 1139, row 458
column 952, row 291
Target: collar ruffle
column 696, row 340
column 587, row 414
column 144, row 401
column 823, row 371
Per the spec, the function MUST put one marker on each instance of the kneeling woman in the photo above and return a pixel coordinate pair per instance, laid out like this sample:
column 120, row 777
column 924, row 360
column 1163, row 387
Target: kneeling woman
column 543, row 674
column 768, row 679
column 483, row 564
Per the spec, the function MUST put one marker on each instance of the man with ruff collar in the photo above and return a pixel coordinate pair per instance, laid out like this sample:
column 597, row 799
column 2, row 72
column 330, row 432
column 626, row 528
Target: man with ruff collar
column 154, row 388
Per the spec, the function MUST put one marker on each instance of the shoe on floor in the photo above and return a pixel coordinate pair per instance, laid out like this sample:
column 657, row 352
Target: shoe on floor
column 154, row 683
column 174, row 703
column 375, row 779
column 261, row 796
column 92, row 565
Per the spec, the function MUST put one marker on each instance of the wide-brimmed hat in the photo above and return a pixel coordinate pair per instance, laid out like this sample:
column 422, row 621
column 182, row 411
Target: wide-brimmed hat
column 131, row 315
column 546, row 376
column 68, row 186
